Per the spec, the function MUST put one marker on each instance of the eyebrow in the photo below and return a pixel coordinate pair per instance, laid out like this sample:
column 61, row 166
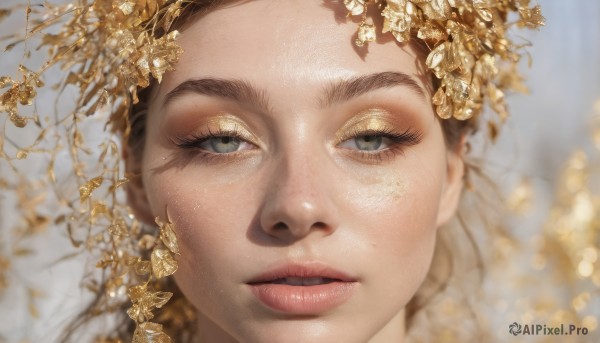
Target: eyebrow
column 339, row 91
column 237, row 90
column 345, row 90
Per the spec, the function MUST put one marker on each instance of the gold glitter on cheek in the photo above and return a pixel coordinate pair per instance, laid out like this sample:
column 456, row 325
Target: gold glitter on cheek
column 380, row 187
column 394, row 188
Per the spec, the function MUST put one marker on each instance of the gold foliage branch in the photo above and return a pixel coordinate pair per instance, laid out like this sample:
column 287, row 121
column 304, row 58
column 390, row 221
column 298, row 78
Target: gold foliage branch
column 144, row 299
column 107, row 50
column 110, row 48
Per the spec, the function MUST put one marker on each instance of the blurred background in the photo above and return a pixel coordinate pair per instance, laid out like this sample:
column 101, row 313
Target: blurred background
column 547, row 161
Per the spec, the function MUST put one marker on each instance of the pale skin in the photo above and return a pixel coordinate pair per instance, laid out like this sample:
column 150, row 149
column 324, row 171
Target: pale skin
column 359, row 180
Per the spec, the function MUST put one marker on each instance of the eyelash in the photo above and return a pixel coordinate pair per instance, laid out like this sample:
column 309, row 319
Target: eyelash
column 399, row 141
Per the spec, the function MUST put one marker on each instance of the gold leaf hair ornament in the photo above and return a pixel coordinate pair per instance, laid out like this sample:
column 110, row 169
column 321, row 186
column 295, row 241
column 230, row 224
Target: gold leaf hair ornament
column 467, row 40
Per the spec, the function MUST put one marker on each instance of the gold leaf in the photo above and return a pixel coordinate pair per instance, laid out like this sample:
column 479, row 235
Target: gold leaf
column 356, row 7
column 5, row 80
column 436, row 56
column 167, row 235
column 139, row 313
column 531, row 17
column 173, row 12
column 131, row 260
column 159, row 299
column 114, row 286
column 484, row 13
column 163, row 263
column 118, row 229
column 86, row 190
column 150, row 333
column 481, row 9
column 430, row 32
column 136, row 293
column 118, row 184
column 99, row 208
column 460, row 90
column 22, row 154
column 445, row 109
column 366, row 33
column 17, row 120
column 436, row 9
column 143, row 268
column 439, row 97
column 126, row 6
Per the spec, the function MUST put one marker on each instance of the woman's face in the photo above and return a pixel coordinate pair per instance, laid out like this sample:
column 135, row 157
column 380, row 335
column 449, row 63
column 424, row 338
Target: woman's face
column 281, row 153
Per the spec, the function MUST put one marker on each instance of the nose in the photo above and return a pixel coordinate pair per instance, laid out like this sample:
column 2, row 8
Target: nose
column 299, row 198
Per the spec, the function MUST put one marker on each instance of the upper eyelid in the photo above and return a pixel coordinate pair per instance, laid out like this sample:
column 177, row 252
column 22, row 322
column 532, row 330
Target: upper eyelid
column 369, row 132
column 238, row 131
column 384, row 131
column 198, row 138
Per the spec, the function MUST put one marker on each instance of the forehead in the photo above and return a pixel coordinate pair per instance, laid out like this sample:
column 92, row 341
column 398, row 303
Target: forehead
column 283, row 45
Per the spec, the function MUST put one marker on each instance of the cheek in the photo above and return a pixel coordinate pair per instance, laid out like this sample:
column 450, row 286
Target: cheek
column 397, row 216
column 210, row 220
column 401, row 214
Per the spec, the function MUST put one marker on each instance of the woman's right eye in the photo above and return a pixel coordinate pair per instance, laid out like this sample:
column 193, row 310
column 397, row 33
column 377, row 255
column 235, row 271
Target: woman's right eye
column 221, row 145
column 218, row 143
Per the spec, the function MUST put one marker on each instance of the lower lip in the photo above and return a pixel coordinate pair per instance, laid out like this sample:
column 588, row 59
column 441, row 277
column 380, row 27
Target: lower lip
column 303, row 299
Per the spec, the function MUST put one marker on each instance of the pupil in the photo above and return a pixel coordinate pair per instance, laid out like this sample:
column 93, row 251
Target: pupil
column 369, row 143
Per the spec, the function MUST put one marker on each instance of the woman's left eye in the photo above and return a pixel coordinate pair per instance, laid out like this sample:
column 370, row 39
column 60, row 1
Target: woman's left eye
column 378, row 145
column 372, row 142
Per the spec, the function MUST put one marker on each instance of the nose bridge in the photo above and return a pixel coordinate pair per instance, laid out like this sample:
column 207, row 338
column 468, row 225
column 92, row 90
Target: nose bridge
column 298, row 201
column 297, row 175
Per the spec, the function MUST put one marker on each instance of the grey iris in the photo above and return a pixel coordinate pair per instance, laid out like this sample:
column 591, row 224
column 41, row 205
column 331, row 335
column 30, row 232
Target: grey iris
column 224, row 145
column 368, row 142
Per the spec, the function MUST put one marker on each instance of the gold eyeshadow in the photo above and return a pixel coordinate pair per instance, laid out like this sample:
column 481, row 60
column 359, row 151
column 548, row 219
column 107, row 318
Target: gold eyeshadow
column 229, row 124
column 374, row 120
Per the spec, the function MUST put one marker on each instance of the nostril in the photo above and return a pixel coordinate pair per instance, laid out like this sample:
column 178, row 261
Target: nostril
column 320, row 225
column 280, row 226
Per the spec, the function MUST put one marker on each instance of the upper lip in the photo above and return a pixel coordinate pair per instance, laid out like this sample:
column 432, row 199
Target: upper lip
column 302, row 269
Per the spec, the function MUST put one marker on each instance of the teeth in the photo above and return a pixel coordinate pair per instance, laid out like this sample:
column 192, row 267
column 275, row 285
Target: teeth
column 301, row 281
